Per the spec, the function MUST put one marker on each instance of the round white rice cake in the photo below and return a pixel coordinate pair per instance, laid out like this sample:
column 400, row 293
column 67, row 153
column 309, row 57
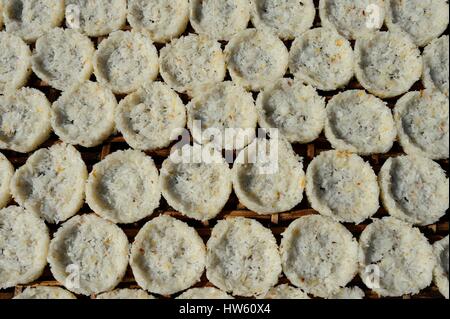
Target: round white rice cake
column 268, row 177
column 219, row 19
column 152, row 117
column 422, row 120
column 436, row 65
column 192, row 61
column 24, row 120
column 360, row 123
column 51, row 183
column 387, row 64
column 99, row 17
column 195, row 185
column 125, row 294
column 88, row 255
column 24, row 241
column 15, row 62
column 124, row 187
column 162, row 20
column 395, row 259
column 287, row 19
column 6, row 174
column 204, row 293
column 352, row 18
column 220, row 108
column 32, row 19
column 42, row 292
column 167, row 256
column 342, row 186
column 125, row 61
column 322, row 58
column 284, row 292
column 295, row 109
column 422, row 20
column 256, row 58
column 84, row 115
column 414, row 189
column 441, row 269
column 242, row 257
column 63, row 58
column 348, row 293
column 319, row 255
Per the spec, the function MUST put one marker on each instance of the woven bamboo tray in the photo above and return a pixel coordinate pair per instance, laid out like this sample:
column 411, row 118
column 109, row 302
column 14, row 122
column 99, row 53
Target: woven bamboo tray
column 277, row 222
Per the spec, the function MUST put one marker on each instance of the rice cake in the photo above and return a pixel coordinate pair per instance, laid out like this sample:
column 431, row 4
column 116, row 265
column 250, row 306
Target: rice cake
column 24, row 241
column 414, row 189
column 395, row 258
column 387, row 64
column 242, row 257
column 124, row 187
column 322, row 58
column 51, row 183
column 24, row 120
column 319, row 255
column 84, row 115
column 360, row 123
column 88, row 255
column 167, row 256
column 256, row 58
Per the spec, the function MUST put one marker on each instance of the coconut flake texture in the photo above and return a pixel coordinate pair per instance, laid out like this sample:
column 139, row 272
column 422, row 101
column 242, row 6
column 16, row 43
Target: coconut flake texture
column 42, row 292
column 125, row 61
column 84, row 115
column 268, row 177
column 414, row 189
column 242, row 257
column 99, row 17
column 287, row 19
column 322, row 58
column 435, row 65
column 422, row 20
column 352, row 18
column 167, row 256
column 204, row 293
column 192, row 61
column 256, row 58
column 51, row 183
column 125, row 294
column 395, row 259
column 88, row 255
column 387, row 64
column 295, row 109
column 342, row 186
column 359, row 122
column 348, row 293
column 219, row 19
column 196, row 181
column 284, row 292
column 63, row 58
column 319, row 255
column 6, row 174
column 24, row 241
column 24, row 120
column 152, row 117
column 217, row 108
column 32, row 19
column 123, row 187
column 15, row 62
column 441, row 269
column 422, row 120
column 162, row 20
